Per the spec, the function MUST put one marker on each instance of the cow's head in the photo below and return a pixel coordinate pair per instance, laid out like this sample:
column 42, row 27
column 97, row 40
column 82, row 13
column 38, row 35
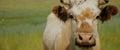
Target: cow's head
column 86, row 14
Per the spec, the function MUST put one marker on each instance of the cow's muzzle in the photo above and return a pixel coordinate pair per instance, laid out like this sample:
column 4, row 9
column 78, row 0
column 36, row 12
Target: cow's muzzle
column 85, row 40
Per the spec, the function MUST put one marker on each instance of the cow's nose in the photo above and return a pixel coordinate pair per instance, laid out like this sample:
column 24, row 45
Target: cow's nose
column 106, row 1
column 85, row 40
column 85, row 37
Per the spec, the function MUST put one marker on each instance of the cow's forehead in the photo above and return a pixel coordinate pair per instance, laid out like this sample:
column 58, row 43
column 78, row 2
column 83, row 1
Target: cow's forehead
column 88, row 13
column 88, row 9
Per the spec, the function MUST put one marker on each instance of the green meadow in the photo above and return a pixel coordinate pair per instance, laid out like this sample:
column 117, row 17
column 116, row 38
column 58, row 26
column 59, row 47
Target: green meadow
column 22, row 23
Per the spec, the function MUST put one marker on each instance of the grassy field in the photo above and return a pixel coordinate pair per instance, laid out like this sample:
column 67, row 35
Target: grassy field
column 22, row 23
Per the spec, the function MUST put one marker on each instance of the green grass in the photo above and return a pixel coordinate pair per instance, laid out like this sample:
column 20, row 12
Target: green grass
column 110, row 34
column 22, row 23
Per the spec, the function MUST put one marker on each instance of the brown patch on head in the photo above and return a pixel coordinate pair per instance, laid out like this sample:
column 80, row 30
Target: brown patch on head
column 85, row 28
column 85, row 14
column 108, row 12
column 60, row 12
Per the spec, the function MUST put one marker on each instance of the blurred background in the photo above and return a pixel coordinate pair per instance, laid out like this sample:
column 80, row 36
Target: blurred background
column 22, row 23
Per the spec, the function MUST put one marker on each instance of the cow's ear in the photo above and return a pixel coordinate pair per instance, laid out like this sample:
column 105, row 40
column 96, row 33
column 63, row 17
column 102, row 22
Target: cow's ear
column 107, row 12
column 60, row 12
column 66, row 2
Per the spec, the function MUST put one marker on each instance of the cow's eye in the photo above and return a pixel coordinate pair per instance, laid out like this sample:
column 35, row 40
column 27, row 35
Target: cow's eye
column 71, row 16
column 97, row 17
column 74, row 18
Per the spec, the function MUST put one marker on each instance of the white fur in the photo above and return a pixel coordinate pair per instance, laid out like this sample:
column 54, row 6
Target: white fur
column 79, row 23
column 51, row 32
column 89, row 21
column 77, row 9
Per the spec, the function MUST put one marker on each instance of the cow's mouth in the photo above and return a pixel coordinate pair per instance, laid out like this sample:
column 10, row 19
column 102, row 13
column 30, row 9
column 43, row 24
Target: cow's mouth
column 84, row 44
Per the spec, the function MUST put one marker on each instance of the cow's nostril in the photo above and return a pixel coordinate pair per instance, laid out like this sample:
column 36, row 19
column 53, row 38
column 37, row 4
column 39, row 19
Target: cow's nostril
column 80, row 37
column 91, row 37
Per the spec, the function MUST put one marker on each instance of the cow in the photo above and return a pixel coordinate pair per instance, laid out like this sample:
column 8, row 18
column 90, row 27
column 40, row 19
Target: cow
column 76, row 28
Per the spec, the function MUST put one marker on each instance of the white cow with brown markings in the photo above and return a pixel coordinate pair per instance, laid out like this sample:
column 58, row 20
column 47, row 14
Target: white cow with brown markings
column 75, row 28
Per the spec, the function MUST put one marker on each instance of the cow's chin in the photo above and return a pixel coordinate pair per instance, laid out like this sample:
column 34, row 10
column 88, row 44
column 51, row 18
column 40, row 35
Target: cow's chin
column 85, row 44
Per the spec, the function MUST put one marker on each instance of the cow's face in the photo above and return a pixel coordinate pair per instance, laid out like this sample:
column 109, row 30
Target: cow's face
column 86, row 14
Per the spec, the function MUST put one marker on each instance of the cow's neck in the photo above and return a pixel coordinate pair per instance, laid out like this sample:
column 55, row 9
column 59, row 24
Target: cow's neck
column 65, row 34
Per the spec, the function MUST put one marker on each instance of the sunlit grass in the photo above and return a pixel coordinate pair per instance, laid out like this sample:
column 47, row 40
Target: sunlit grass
column 13, row 41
